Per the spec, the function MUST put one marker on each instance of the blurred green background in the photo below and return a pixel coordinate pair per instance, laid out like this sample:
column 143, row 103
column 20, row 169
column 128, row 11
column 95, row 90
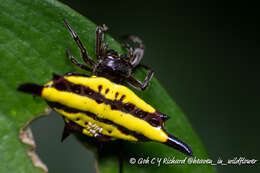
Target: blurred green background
column 205, row 55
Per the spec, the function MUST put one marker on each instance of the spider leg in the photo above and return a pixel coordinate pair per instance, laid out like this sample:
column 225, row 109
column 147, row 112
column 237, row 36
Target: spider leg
column 74, row 61
column 137, row 53
column 69, row 128
column 139, row 85
column 84, row 53
column 104, row 49
column 129, row 49
column 100, row 47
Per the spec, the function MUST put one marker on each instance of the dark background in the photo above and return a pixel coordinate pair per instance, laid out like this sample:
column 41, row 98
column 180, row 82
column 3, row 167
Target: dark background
column 205, row 55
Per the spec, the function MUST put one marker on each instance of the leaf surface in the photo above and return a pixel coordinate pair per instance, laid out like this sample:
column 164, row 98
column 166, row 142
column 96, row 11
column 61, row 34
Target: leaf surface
column 33, row 40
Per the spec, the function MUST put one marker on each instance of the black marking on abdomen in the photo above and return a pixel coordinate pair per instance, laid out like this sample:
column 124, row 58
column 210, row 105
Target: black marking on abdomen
column 116, row 95
column 122, row 98
column 124, row 130
column 99, row 98
column 129, row 107
column 99, row 88
column 76, row 89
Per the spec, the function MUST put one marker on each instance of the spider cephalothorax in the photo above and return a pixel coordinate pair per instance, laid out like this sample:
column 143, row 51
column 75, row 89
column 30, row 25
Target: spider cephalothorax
column 110, row 64
column 114, row 67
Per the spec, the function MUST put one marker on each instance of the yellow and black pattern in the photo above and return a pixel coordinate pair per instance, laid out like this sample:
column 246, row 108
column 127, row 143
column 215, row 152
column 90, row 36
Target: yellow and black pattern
column 97, row 107
column 113, row 108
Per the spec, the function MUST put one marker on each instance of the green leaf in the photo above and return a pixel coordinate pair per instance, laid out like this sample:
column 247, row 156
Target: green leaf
column 33, row 40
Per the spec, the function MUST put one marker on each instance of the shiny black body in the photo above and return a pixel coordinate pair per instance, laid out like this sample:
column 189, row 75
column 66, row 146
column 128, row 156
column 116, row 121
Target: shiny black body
column 115, row 69
column 111, row 65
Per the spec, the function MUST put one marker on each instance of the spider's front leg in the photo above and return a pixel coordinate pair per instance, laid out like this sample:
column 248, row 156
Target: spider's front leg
column 74, row 61
column 101, row 48
column 84, row 53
